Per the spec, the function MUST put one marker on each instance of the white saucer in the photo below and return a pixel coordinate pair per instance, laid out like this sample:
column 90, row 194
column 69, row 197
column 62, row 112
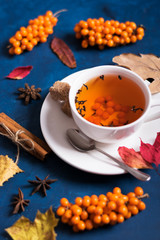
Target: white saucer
column 54, row 124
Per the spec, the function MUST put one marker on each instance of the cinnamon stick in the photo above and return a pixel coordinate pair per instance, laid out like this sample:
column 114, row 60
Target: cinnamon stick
column 41, row 149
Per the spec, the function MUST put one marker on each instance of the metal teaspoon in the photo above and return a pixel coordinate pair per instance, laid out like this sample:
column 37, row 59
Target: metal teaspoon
column 83, row 143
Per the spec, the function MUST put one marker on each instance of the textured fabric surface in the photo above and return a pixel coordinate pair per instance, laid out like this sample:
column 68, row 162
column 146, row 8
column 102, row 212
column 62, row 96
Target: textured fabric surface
column 47, row 69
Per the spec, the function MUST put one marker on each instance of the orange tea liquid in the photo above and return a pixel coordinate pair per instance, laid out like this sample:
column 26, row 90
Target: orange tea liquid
column 110, row 100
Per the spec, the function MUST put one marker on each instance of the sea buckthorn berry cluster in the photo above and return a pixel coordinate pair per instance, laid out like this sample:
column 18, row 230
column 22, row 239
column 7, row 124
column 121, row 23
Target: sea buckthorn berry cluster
column 108, row 33
column 106, row 112
column 93, row 211
column 37, row 31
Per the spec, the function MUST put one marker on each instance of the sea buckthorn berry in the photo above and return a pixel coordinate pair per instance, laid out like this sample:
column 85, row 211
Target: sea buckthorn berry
column 94, row 200
column 54, row 21
column 86, row 201
column 112, row 30
column 98, row 210
column 122, row 26
column 18, row 35
column 101, row 20
column 29, row 46
column 133, row 38
column 131, row 194
column 64, row 219
column 91, row 209
column 23, row 47
column 99, row 112
column 102, row 197
column 120, row 218
column 84, row 43
column 68, row 213
column 129, row 214
column 105, row 219
column 110, row 110
column 100, row 100
column 107, row 23
column 75, row 219
column 133, row 25
column 83, row 24
column 108, row 36
column 84, row 32
column 140, row 30
column 117, row 107
column 76, row 210
column 97, row 219
column 116, row 24
column 77, row 28
column 60, row 211
column 64, row 202
column 141, row 205
column 105, row 115
column 133, row 209
column 96, row 106
column 101, row 203
column 49, row 13
column 17, row 50
column 11, row 51
column 113, row 216
column 106, row 30
column 99, row 41
column 124, row 34
column 84, row 215
column 112, row 205
column 120, row 202
column 129, row 29
column 43, row 39
column 81, row 225
column 78, row 201
column 124, row 197
column 110, row 43
column 110, row 103
column 139, row 36
column 89, row 224
column 75, row 228
column 16, row 44
column 78, row 35
column 23, row 31
column 98, row 35
column 116, row 39
column 138, row 191
column 133, row 201
column 123, row 210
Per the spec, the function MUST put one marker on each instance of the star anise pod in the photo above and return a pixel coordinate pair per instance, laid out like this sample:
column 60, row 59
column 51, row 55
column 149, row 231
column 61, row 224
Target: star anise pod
column 42, row 184
column 20, row 202
column 29, row 93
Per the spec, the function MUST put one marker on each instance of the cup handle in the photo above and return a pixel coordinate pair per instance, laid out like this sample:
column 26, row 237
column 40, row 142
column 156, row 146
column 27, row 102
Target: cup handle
column 156, row 115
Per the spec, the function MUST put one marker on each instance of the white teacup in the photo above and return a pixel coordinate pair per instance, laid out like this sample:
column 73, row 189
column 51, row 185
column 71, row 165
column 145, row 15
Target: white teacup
column 108, row 134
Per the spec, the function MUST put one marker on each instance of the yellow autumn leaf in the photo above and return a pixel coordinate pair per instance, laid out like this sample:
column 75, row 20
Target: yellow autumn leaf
column 41, row 229
column 7, row 169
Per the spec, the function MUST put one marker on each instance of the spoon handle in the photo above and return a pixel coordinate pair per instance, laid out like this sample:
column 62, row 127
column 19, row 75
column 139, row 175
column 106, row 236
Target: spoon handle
column 135, row 172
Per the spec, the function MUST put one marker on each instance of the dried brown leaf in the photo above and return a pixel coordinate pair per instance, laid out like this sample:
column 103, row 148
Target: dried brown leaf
column 64, row 53
column 145, row 65
column 7, row 169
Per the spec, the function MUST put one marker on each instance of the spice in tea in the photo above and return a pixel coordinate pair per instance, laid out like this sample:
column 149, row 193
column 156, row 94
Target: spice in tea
column 110, row 101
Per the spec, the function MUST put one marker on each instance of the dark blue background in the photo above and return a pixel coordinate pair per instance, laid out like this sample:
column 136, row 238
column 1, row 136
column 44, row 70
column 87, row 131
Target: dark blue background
column 47, row 69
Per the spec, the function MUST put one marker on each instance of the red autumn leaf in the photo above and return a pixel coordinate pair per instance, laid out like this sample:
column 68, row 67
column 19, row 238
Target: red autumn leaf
column 20, row 72
column 133, row 158
column 157, row 157
column 147, row 151
column 64, row 53
column 157, row 141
